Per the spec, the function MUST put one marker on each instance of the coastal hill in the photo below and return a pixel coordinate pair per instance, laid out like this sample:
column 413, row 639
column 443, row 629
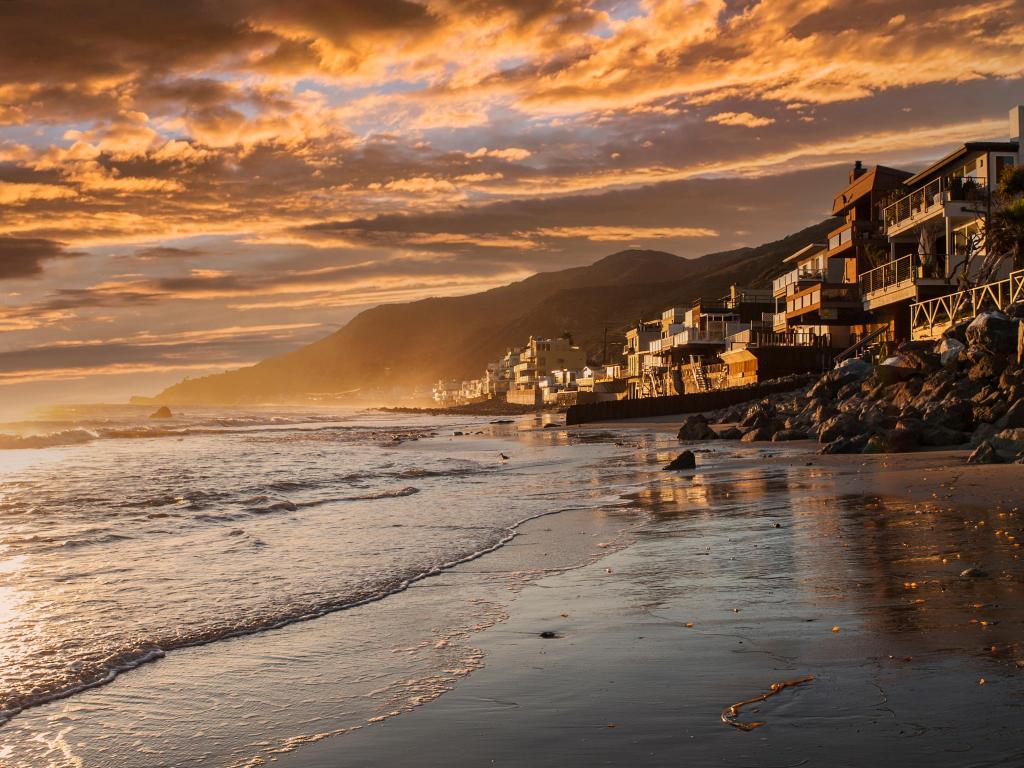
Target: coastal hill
column 414, row 344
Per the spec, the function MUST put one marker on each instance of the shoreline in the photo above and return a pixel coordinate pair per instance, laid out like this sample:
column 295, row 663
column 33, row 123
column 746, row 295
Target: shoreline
column 655, row 641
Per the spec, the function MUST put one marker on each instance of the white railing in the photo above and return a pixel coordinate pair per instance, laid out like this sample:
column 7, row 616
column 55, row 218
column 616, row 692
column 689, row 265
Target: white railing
column 782, row 283
column 932, row 317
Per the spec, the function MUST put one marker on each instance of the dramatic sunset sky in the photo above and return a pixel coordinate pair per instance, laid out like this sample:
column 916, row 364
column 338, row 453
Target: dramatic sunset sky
column 192, row 185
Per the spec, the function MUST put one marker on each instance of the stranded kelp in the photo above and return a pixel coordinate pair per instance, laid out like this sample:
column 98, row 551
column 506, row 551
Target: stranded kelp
column 732, row 712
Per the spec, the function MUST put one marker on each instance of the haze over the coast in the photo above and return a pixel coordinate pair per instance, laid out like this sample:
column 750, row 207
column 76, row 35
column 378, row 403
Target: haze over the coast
column 190, row 187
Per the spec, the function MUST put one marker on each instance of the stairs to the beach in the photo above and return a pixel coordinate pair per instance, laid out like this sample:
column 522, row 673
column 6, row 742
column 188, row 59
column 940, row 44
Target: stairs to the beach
column 699, row 377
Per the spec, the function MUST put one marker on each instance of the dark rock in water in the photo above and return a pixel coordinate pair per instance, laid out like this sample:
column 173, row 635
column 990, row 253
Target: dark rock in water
column 995, row 332
column 756, row 435
column 985, row 454
column 974, row 572
column 696, row 427
column 504, row 421
column 163, row 412
column 553, row 425
column 788, row 434
column 457, row 434
column 685, row 460
column 547, row 634
column 732, row 433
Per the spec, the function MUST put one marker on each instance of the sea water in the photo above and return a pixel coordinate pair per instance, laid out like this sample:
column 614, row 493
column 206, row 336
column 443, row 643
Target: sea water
column 139, row 547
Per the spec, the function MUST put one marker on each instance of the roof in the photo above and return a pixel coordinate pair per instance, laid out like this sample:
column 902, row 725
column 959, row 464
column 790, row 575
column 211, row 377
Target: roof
column 971, row 146
column 867, row 183
column 807, row 250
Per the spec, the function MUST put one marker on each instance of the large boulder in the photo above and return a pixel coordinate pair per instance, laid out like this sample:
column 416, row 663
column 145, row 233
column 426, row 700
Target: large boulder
column 756, row 435
column 846, row 445
column 939, row 436
column 1009, row 440
column 987, row 368
column 953, row 413
column 732, row 433
column 696, row 427
column 895, row 369
column 1014, row 417
column 985, row 454
column 950, row 351
column 841, row 425
column 995, row 332
column 163, row 412
column 784, row 435
column 685, row 460
column 854, row 366
column 903, row 441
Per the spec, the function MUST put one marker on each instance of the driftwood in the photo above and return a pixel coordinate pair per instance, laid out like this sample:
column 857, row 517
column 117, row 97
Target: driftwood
column 730, row 713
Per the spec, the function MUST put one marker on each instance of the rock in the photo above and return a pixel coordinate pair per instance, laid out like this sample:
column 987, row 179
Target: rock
column 974, row 572
column 731, row 416
column 685, row 460
column 854, row 366
column 903, row 441
column 842, row 425
column 732, row 433
column 949, row 351
column 995, row 332
column 696, row 427
column 845, row 445
column 1009, row 440
column 757, row 434
column 788, row 434
column 939, row 436
column 163, row 412
column 1014, row 415
column 875, row 444
column 953, row 413
column 988, row 368
column 990, row 413
column 895, row 369
column 985, row 454
column 849, row 390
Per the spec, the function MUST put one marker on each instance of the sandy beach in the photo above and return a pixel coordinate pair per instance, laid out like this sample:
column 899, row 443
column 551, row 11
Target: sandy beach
column 749, row 571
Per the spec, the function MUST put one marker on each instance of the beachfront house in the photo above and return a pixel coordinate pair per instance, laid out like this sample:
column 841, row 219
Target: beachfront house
column 936, row 230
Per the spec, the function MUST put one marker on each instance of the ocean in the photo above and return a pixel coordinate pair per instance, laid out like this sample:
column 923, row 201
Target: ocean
column 129, row 544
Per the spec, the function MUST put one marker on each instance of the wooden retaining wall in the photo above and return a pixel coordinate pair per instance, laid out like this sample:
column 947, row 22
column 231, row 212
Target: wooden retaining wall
column 679, row 404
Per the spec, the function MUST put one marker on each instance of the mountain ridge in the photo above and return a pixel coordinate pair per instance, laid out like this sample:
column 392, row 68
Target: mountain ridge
column 408, row 345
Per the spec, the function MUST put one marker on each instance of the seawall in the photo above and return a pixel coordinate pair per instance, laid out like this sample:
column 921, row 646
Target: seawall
column 679, row 404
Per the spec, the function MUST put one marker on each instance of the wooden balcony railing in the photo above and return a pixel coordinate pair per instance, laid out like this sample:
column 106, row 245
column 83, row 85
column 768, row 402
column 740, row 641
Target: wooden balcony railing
column 932, row 317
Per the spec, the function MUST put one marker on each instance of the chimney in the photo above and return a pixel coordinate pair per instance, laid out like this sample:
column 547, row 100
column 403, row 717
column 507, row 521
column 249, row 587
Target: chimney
column 1016, row 120
column 857, row 172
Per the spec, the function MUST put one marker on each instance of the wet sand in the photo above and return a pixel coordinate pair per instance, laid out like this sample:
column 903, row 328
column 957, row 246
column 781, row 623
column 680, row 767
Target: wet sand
column 754, row 569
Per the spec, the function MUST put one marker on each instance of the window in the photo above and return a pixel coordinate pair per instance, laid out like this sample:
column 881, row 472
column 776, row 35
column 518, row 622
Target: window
column 1003, row 163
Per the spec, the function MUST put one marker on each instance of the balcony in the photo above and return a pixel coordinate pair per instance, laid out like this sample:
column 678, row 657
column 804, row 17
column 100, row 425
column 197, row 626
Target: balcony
column 752, row 337
column 931, row 198
column 897, row 281
column 780, row 285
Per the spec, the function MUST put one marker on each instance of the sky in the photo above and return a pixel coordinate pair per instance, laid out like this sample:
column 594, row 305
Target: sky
column 192, row 186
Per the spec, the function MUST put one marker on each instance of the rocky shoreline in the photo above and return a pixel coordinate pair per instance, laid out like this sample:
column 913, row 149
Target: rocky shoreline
column 964, row 391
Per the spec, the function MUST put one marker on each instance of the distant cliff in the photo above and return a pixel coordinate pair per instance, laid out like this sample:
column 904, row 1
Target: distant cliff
column 412, row 344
